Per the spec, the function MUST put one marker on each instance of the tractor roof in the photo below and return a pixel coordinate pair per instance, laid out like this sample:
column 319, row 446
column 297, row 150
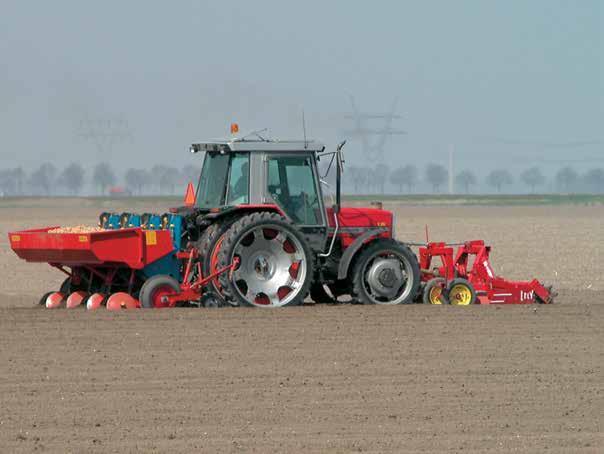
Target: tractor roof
column 243, row 144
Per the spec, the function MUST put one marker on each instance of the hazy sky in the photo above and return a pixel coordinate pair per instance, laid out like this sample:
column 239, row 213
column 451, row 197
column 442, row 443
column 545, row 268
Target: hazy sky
column 467, row 73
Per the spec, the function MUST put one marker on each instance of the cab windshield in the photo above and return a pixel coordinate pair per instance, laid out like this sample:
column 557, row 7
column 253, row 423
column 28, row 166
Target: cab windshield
column 224, row 180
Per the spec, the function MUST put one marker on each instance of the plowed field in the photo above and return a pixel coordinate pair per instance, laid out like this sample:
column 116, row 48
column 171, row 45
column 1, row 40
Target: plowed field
column 317, row 378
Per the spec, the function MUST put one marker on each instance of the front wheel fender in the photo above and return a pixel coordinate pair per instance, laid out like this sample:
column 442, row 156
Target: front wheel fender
column 352, row 250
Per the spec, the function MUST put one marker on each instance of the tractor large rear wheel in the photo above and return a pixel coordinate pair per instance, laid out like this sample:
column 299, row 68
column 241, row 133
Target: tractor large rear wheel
column 208, row 246
column 274, row 263
column 385, row 272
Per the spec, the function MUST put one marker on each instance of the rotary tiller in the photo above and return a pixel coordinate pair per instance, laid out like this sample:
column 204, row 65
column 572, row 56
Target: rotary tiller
column 465, row 277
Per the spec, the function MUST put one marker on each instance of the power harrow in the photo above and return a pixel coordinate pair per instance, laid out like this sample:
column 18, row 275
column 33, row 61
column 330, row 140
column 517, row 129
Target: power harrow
column 257, row 233
column 466, row 276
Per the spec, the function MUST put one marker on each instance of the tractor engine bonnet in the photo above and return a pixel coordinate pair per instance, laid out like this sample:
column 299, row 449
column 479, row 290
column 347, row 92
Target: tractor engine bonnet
column 353, row 221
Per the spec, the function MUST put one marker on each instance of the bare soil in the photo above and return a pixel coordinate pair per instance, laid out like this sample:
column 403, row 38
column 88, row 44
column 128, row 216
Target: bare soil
column 317, row 378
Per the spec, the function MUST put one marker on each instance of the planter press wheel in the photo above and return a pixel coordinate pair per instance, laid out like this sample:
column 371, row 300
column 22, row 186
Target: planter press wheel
column 435, row 292
column 460, row 292
column 155, row 288
column 274, row 262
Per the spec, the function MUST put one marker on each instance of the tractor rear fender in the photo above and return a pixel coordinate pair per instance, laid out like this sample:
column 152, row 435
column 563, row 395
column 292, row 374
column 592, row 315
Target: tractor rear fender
column 210, row 217
column 351, row 251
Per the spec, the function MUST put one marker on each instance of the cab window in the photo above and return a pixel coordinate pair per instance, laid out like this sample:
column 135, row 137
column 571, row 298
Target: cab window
column 212, row 181
column 239, row 180
column 224, row 180
column 291, row 183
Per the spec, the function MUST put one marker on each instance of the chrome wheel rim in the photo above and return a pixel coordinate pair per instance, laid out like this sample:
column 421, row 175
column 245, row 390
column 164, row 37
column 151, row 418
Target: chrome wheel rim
column 272, row 266
column 388, row 278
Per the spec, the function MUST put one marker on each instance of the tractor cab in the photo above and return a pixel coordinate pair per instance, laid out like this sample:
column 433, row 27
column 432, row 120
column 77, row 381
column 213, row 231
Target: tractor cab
column 280, row 175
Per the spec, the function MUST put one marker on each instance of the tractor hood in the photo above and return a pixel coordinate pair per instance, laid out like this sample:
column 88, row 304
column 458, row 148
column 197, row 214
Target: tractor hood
column 353, row 218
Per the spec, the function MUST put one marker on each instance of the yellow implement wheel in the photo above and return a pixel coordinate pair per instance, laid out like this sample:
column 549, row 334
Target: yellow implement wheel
column 460, row 292
column 435, row 292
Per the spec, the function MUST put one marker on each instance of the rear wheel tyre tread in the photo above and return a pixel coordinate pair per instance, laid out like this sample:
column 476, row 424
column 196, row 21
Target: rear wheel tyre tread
column 206, row 244
column 358, row 291
column 233, row 234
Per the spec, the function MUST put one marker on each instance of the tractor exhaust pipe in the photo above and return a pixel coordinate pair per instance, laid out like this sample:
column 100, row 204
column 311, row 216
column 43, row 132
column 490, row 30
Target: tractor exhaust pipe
column 339, row 170
column 336, row 207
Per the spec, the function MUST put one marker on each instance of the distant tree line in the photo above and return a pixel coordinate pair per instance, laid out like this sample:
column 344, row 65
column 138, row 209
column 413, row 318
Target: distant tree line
column 100, row 180
column 74, row 179
column 407, row 179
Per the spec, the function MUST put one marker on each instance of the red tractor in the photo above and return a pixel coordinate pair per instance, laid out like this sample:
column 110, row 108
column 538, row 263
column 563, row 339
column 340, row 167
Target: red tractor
column 260, row 207
column 258, row 233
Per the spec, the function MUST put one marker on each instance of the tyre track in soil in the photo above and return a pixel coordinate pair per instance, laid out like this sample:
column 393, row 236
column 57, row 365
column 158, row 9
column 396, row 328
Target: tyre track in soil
column 308, row 379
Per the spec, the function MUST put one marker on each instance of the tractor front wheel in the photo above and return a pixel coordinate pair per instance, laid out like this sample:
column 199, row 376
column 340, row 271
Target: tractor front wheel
column 386, row 272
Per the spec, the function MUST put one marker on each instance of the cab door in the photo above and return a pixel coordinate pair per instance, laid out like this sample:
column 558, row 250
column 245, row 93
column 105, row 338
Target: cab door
column 292, row 184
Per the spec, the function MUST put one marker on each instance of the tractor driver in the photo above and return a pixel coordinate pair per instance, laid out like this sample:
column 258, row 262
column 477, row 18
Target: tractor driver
column 238, row 192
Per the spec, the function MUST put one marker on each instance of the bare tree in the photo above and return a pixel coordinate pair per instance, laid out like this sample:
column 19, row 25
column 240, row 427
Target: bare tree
column 12, row 181
column 190, row 174
column 380, row 177
column 499, row 178
column 567, row 178
column 436, row 175
column 466, row 179
column 358, row 176
column 532, row 177
column 43, row 178
column 19, row 177
column 168, row 180
column 103, row 176
column 397, row 180
column 404, row 176
column 72, row 177
column 7, row 183
column 166, row 177
column 157, row 173
column 136, row 180
column 594, row 179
